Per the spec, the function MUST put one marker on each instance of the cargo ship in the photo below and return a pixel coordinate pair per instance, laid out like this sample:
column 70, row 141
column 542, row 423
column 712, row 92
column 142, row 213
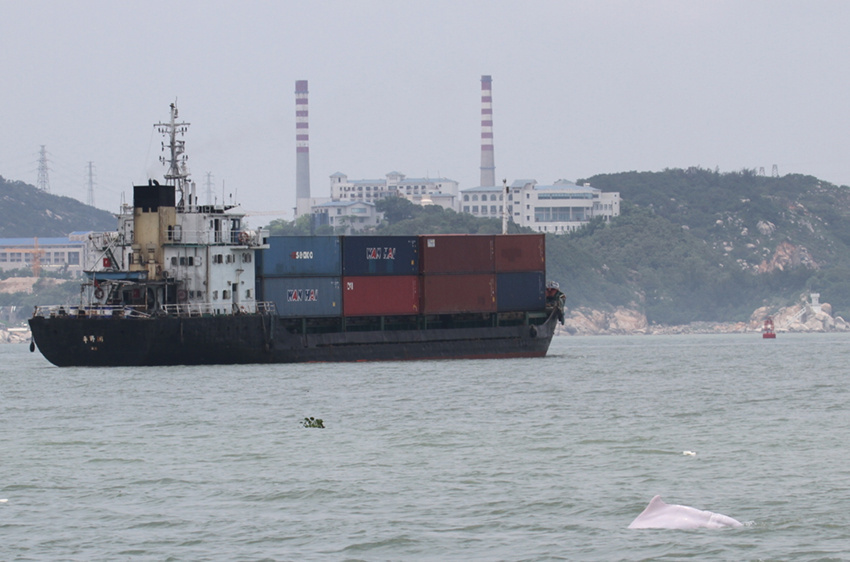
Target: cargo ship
column 181, row 283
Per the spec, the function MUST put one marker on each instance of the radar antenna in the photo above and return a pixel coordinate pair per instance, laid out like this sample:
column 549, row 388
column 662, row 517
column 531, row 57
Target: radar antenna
column 178, row 171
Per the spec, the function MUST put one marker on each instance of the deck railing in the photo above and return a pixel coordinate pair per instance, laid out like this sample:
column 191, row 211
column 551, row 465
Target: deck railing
column 54, row 310
column 182, row 310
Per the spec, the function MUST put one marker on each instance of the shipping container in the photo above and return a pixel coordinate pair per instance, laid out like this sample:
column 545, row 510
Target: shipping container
column 458, row 293
column 456, row 253
column 301, row 256
column 380, row 255
column 390, row 295
column 520, row 252
column 304, row 296
column 520, row 291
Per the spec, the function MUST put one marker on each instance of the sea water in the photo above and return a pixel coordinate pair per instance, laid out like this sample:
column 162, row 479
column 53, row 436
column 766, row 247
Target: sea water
column 515, row 459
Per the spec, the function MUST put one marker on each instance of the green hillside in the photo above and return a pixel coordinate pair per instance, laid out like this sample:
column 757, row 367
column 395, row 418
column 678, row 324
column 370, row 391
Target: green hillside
column 696, row 244
column 26, row 212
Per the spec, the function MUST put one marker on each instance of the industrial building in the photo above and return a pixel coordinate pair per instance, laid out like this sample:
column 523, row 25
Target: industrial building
column 72, row 254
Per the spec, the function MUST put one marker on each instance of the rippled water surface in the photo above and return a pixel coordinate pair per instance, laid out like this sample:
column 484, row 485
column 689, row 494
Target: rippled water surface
column 521, row 459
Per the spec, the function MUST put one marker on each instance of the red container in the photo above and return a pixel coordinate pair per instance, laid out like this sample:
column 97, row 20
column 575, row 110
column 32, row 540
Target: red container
column 456, row 253
column 520, row 252
column 450, row 294
column 388, row 295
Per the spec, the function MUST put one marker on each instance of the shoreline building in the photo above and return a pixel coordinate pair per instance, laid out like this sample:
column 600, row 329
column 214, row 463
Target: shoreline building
column 72, row 254
column 347, row 216
column 421, row 191
column 556, row 209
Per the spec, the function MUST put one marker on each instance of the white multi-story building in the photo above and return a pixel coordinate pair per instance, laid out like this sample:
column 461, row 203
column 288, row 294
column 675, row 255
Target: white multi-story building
column 422, row 191
column 557, row 208
column 347, row 216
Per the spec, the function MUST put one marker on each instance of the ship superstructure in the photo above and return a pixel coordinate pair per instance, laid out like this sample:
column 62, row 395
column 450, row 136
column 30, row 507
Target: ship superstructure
column 173, row 255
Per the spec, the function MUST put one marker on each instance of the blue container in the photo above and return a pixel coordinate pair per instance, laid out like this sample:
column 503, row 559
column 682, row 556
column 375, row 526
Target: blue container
column 304, row 296
column 301, row 256
column 520, row 291
column 380, row 255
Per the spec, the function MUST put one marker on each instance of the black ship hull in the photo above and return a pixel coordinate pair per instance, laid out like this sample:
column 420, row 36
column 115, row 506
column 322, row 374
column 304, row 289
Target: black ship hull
column 242, row 339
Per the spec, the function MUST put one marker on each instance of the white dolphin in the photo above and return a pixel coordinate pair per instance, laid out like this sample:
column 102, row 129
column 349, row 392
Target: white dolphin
column 660, row 515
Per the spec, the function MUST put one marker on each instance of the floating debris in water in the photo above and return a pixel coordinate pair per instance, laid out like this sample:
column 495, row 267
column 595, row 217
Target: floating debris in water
column 689, row 453
column 313, row 422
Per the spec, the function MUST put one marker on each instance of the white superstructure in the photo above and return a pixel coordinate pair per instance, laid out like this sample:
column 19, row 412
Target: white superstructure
column 172, row 254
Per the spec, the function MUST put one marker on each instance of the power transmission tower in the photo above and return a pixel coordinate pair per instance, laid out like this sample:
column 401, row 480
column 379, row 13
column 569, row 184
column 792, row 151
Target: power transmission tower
column 90, row 197
column 43, row 182
column 775, row 171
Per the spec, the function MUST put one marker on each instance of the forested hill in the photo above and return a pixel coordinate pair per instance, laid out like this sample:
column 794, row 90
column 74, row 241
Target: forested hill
column 26, row 211
column 696, row 244
column 743, row 215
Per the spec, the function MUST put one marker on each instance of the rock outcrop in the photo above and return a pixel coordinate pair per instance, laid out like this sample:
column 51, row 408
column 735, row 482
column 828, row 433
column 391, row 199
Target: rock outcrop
column 14, row 335
column 800, row 318
column 584, row 321
column 788, row 256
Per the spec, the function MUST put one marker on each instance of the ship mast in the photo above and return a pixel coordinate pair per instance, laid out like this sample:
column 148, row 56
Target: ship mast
column 505, row 192
column 178, row 171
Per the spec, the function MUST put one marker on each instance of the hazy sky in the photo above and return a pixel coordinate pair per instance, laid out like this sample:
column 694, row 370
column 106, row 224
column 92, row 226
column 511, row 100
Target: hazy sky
column 579, row 88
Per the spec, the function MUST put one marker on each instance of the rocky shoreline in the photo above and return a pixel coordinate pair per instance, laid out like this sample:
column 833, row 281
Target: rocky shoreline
column 15, row 335
column 623, row 321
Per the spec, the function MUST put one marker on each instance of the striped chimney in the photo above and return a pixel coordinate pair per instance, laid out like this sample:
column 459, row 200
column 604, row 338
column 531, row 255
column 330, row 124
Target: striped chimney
column 488, row 166
column 302, row 148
